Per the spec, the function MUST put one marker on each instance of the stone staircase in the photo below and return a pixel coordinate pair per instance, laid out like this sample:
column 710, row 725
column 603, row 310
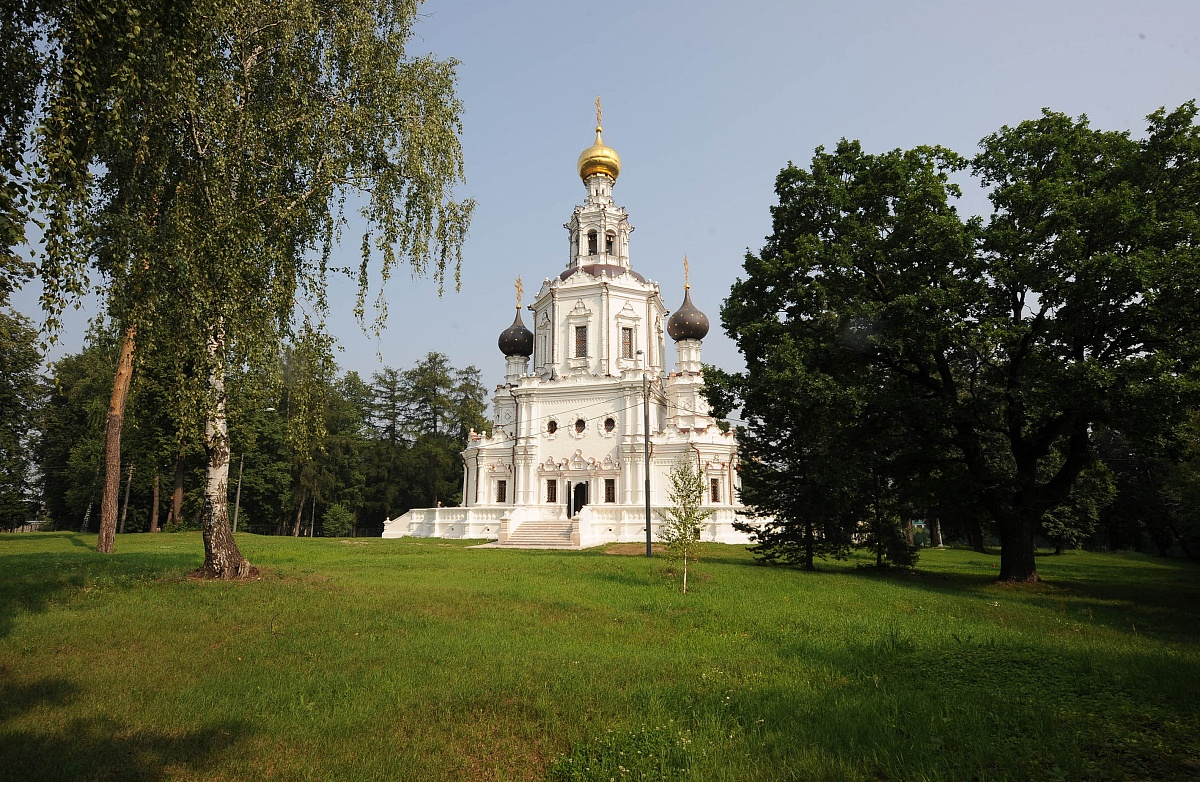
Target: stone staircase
column 540, row 535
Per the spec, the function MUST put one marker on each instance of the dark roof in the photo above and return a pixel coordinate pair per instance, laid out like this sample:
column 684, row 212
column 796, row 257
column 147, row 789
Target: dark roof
column 687, row 323
column 517, row 339
column 598, row 269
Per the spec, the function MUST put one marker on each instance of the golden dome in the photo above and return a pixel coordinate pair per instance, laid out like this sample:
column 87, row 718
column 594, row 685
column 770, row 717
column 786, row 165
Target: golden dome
column 599, row 159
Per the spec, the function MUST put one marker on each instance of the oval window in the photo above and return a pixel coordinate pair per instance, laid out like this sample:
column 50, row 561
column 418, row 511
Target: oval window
column 552, row 426
column 609, row 425
column 580, row 425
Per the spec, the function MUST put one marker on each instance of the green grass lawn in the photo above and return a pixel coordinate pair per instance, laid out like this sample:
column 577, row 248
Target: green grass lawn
column 424, row 659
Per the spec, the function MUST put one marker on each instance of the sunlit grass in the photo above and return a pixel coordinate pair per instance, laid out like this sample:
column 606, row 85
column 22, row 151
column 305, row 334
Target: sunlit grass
column 425, row 659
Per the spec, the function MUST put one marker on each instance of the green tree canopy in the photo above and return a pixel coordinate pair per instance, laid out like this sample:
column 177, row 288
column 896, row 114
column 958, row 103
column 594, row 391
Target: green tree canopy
column 21, row 402
column 204, row 155
column 991, row 349
column 684, row 516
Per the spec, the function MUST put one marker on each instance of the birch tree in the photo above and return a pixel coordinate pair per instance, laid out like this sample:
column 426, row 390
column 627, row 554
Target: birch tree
column 682, row 520
column 203, row 157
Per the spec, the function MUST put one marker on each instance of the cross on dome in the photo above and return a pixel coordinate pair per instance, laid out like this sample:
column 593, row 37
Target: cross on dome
column 599, row 159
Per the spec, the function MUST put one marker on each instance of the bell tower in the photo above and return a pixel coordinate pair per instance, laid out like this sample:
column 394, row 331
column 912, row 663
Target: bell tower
column 599, row 319
column 598, row 232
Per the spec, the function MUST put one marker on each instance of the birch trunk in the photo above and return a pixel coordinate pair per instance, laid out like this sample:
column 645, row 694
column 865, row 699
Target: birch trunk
column 112, row 443
column 222, row 559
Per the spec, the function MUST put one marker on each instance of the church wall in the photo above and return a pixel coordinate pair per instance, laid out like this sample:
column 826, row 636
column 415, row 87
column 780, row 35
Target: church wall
column 587, row 326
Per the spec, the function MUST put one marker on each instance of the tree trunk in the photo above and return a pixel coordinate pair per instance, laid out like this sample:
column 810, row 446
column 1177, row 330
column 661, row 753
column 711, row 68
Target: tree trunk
column 1018, row 532
column 154, row 503
column 222, row 559
column 176, row 516
column 112, row 443
column 299, row 515
column 809, row 547
column 935, row 533
column 975, row 533
column 125, row 505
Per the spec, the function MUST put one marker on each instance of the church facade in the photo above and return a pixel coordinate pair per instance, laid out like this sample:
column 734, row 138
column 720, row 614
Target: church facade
column 585, row 390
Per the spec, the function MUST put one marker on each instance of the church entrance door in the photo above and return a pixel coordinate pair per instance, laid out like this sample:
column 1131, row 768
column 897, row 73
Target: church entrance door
column 579, row 496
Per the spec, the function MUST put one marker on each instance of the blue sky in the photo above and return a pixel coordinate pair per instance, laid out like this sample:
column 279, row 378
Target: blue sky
column 705, row 102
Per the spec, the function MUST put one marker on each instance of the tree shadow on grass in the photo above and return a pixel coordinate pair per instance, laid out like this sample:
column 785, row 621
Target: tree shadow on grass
column 30, row 583
column 98, row 748
column 1160, row 599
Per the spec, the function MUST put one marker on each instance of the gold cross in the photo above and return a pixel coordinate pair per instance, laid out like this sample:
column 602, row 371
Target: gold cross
column 686, row 284
column 519, row 285
column 598, row 113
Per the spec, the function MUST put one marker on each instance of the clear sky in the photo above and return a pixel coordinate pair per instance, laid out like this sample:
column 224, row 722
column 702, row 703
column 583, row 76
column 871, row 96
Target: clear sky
column 705, row 102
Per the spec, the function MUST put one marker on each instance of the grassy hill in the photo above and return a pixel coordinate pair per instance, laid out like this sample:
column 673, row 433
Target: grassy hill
column 425, row 659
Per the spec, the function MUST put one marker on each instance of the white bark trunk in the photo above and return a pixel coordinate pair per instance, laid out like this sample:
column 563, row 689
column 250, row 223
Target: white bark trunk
column 222, row 560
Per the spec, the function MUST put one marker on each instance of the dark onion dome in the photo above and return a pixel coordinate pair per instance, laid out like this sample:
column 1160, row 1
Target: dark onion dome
column 687, row 323
column 599, row 269
column 517, row 339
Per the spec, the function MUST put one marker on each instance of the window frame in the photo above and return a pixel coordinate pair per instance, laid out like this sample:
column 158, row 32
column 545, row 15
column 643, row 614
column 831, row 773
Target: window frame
column 627, row 349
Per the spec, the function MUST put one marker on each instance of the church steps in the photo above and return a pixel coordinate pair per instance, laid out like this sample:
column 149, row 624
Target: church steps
column 540, row 534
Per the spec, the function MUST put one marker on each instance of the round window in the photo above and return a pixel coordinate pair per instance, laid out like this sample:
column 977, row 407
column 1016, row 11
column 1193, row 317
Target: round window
column 609, row 425
column 580, row 425
column 552, row 426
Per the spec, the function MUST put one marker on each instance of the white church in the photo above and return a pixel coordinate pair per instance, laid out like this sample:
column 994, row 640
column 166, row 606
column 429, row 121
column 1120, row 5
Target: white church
column 565, row 464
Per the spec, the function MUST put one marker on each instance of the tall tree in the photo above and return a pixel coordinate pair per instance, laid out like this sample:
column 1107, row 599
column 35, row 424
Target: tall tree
column 21, row 398
column 1002, row 342
column 72, row 443
column 418, row 424
column 428, row 397
column 24, row 57
column 231, row 137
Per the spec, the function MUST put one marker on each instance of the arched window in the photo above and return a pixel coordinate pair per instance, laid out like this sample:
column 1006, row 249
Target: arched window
column 552, row 426
column 609, row 238
column 592, row 243
column 609, row 424
column 580, row 425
